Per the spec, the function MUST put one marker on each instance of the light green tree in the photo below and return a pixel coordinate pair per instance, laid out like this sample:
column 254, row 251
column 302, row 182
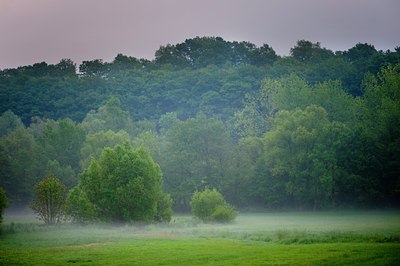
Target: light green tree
column 209, row 205
column 96, row 142
column 49, row 200
column 124, row 185
column 109, row 116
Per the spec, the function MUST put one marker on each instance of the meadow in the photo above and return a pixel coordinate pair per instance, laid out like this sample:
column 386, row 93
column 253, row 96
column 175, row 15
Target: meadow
column 292, row 238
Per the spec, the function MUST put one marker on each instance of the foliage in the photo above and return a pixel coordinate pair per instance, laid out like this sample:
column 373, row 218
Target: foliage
column 96, row 142
column 20, row 157
column 9, row 122
column 197, row 154
column 210, row 206
column 3, row 204
column 202, row 108
column 49, row 200
column 199, row 74
column 124, row 185
column 300, row 152
column 60, row 140
column 78, row 207
column 223, row 214
column 109, row 116
column 164, row 210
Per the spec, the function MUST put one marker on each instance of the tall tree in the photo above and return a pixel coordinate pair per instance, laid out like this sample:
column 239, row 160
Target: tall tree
column 96, row 142
column 109, row 116
column 9, row 122
column 196, row 155
column 21, row 157
column 306, row 51
column 300, row 153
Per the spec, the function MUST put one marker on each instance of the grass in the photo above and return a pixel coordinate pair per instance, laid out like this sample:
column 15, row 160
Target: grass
column 324, row 238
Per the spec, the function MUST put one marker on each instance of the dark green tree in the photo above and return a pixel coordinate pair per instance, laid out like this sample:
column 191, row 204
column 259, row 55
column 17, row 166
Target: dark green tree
column 9, row 122
column 197, row 154
column 21, row 157
column 3, row 204
column 300, row 152
column 93, row 68
column 306, row 51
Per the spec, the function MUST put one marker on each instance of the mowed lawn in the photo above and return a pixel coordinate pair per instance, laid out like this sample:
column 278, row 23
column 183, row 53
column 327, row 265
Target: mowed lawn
column 322, row 238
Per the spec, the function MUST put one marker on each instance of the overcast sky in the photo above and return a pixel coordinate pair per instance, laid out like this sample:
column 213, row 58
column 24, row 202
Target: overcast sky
column 33, row 31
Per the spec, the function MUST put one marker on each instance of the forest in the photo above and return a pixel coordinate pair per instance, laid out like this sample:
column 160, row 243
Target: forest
column 314, row 130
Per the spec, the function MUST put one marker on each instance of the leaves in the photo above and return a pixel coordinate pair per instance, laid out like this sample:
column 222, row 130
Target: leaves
column 123, row 185
column 49, row 200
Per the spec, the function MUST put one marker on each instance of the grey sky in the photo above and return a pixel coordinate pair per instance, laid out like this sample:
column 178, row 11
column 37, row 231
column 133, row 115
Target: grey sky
column 33, row 31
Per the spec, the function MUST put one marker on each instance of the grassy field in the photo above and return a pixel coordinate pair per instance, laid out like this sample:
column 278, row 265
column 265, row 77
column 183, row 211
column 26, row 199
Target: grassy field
column 322, row 238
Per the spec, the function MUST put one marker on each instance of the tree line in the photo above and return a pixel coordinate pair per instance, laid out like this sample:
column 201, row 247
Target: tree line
column 313, row 130
column 203, row 74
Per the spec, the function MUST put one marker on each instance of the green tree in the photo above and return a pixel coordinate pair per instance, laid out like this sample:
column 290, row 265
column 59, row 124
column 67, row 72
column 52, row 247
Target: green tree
column 96, row 142
column 150, row 141
column 93, row 68
column 197, row 154
column 306, row 51
column 20, row 156
column 300, row 152
column 79, row 208
column 210, row 206
column 9, row 122
column 124, row 185
column 61, row 141
column 109, row 116
column 378, row 138
column 49, row 200
column 3, row 204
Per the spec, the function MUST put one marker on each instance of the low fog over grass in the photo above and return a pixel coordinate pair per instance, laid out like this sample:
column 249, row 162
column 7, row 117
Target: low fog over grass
column 276, row 226
column 340, row 238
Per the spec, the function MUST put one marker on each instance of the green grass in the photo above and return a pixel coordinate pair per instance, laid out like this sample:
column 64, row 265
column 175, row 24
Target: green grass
column 324, row 238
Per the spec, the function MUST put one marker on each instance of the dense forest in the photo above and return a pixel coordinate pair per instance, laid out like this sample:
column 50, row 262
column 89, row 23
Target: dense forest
column 317, row 129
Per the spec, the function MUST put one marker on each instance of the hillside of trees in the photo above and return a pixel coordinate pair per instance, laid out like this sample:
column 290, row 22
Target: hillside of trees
column 313, row 130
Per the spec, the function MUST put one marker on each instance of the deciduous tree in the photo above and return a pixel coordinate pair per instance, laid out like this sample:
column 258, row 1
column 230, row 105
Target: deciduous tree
column 49, row 200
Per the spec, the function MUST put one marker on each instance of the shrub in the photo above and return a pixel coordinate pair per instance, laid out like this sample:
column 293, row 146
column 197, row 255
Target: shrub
column 210, row 206
column 49, row 200
column 223, row 214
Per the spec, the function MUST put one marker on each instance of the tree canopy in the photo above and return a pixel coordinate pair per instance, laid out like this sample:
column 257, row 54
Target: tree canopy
column 124, row 185
column 316, row 129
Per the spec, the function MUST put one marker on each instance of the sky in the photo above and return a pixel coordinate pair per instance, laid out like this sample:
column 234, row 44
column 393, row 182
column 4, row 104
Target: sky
column 33, row 31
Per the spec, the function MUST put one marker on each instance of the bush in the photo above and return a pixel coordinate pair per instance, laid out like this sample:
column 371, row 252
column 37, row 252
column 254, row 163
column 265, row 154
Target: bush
column 49, row 200
column 210, row 206
column 3, row 203
column 223, row 214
